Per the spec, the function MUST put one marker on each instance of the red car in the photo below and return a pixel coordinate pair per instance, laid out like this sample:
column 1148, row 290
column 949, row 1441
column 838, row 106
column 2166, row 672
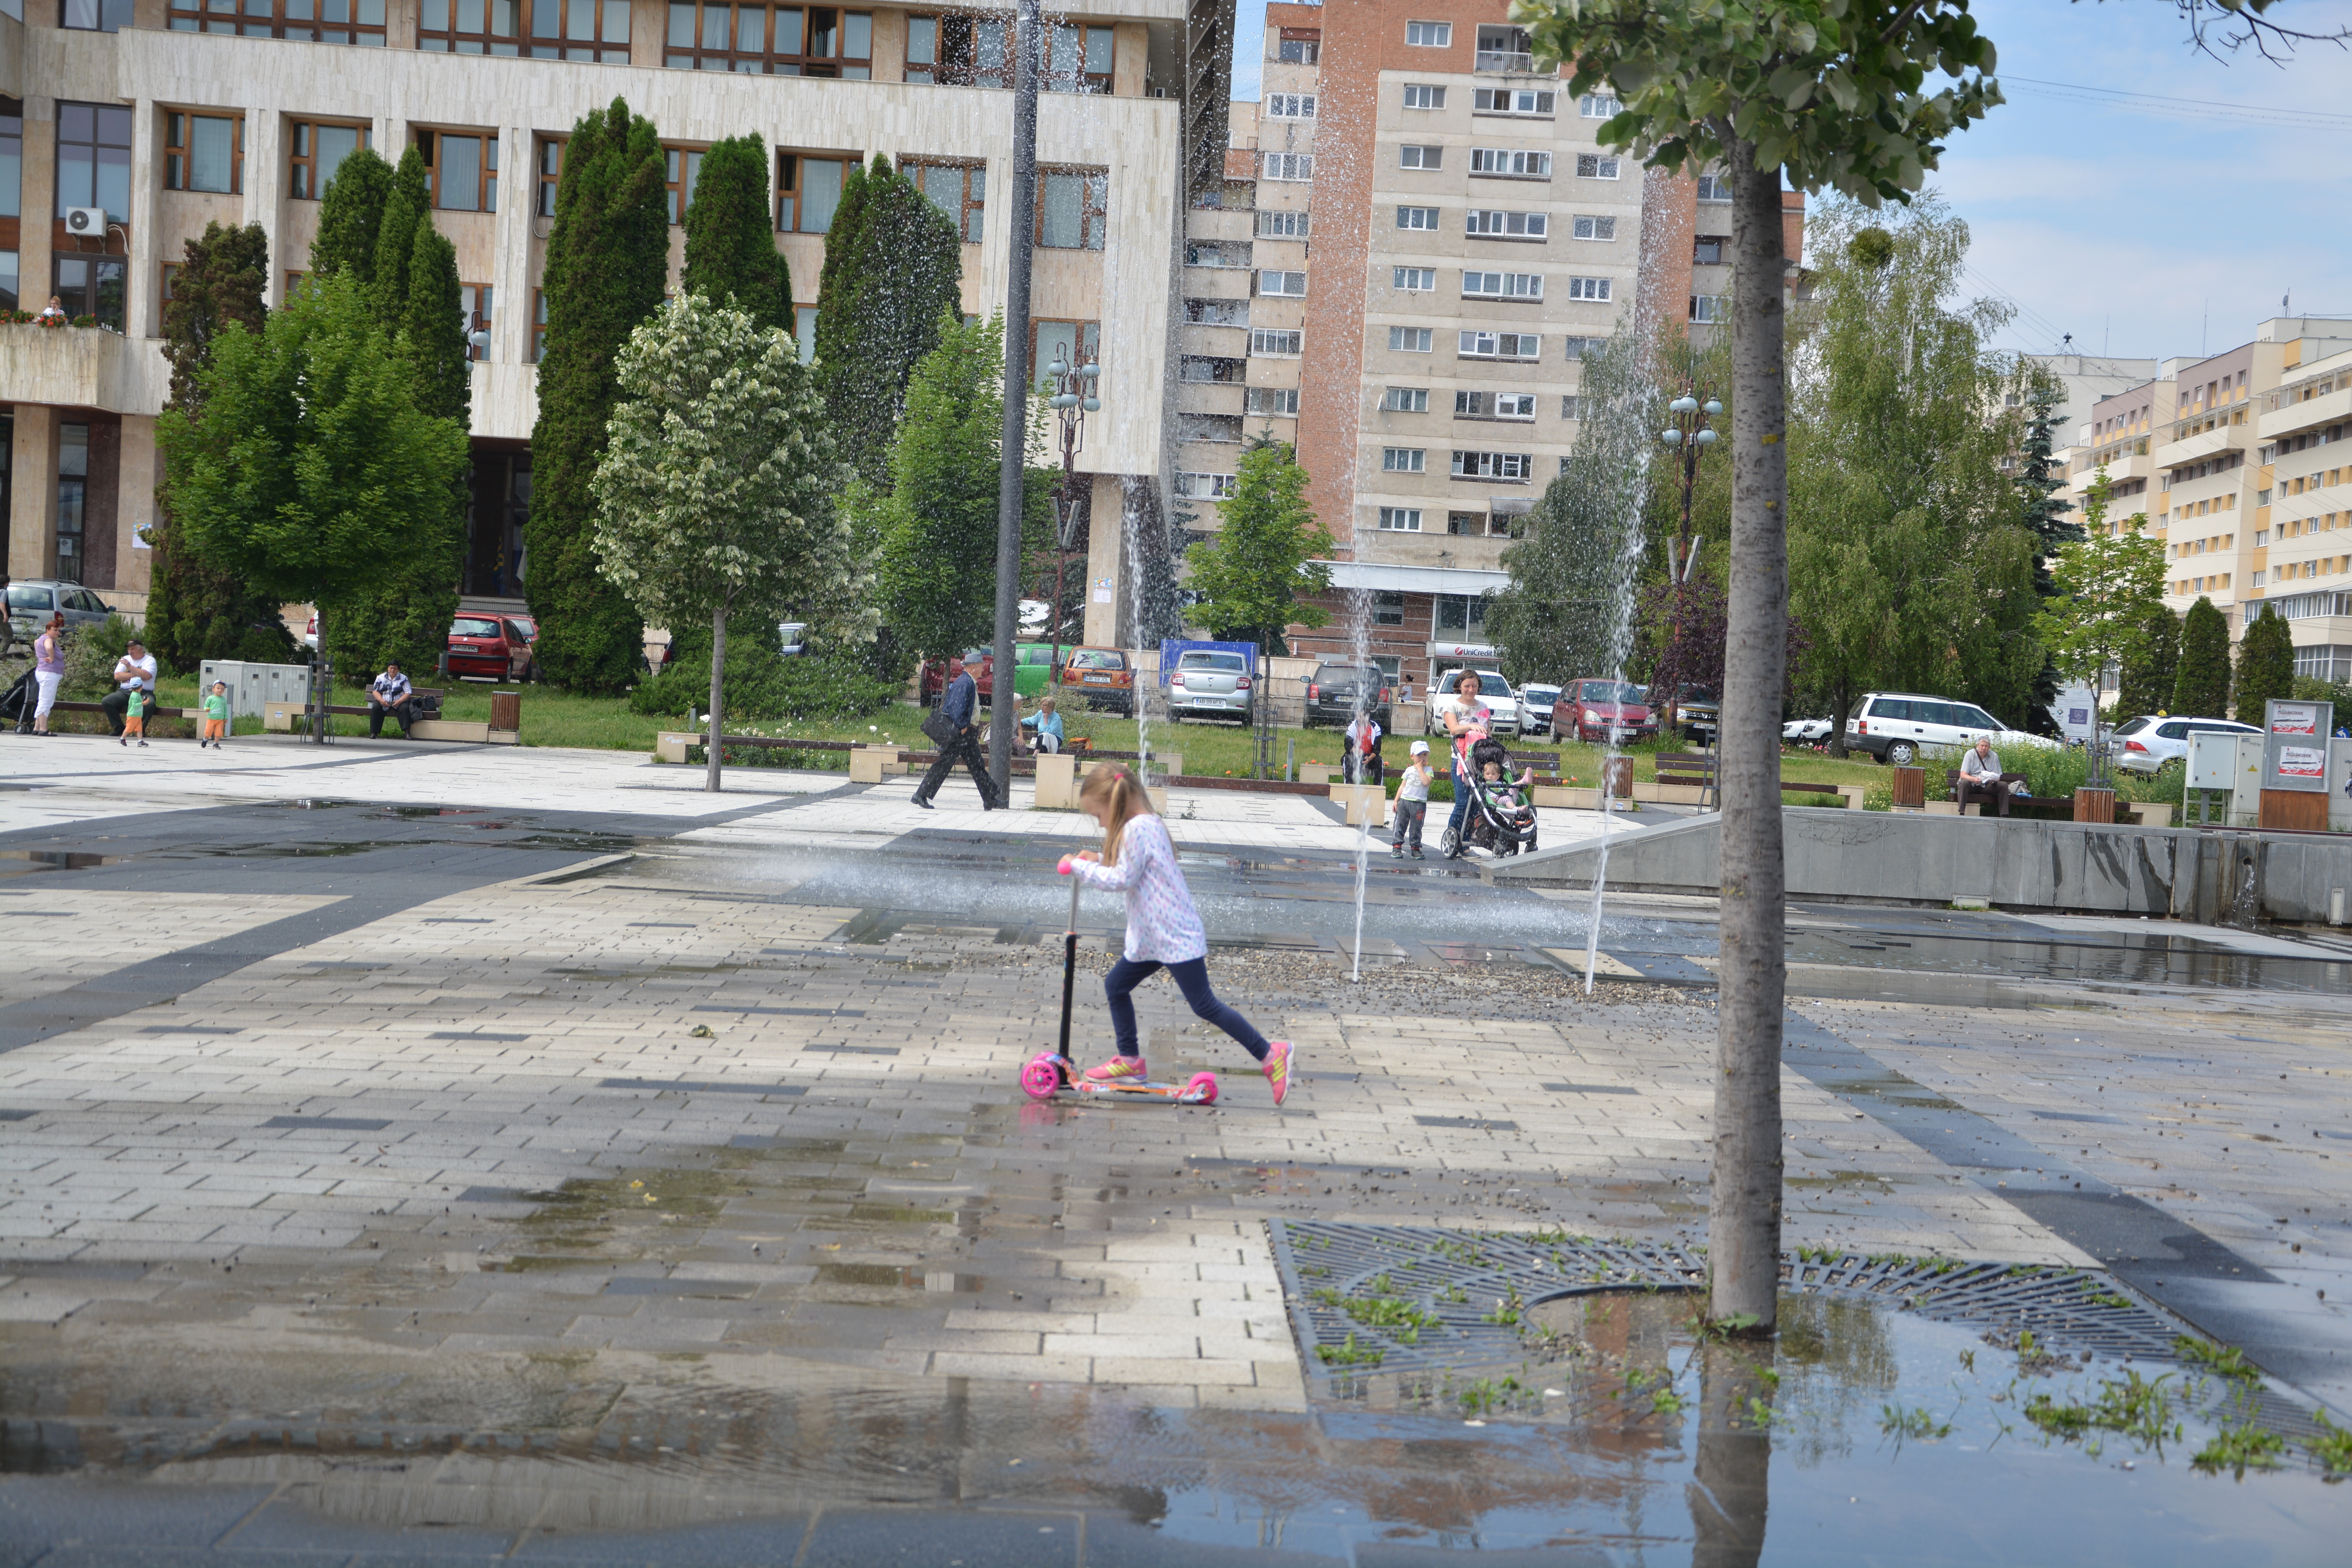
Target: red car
column 488, row 647
column 1592, row 709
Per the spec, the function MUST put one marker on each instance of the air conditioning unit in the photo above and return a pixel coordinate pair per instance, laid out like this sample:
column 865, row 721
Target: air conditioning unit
column 89, row 221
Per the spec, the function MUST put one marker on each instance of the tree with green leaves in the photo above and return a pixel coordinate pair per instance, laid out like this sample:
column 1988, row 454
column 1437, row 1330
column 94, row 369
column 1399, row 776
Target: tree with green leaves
column 893, row 263
column 730, row 239
column 1258, row 573
column 717, row 496
column 195, row 611
column 310, row 453
column 2106, row 585
column 407, row 207
column 2148, row 677
column 2200, row 689
column 2266, row 665
column 607, row 265
column 1836, row 96
column 351, row 214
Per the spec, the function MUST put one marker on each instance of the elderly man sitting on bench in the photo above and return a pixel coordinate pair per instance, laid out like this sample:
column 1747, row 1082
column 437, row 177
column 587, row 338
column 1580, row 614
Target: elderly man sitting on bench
column 1981, row 777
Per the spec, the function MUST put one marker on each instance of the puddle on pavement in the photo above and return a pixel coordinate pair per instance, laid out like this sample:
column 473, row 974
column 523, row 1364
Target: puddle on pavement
column 2129, row 960
column 1858, row 1429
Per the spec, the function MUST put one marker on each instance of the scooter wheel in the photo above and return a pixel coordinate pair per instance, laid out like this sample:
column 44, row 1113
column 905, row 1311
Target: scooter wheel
column 1040, row 1078
column 1203, row 1084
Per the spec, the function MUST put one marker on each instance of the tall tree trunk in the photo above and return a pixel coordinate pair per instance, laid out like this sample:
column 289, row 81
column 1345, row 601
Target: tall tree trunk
column 718, row 668
column 1012, row 485
column 1743, row 1206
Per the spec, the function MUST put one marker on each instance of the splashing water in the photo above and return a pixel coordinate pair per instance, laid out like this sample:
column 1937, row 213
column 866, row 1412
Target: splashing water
column 1363, row 852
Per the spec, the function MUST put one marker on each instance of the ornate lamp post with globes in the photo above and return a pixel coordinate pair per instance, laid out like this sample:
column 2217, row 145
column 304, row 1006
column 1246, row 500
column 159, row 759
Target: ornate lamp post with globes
column 1688, row 431
column 1072, row 399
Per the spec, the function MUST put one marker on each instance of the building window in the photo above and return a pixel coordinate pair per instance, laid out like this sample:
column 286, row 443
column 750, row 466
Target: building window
column 12, row 158
column 1416, row 280
column 1568, row 406
column 1596, row 166
column 1276, row 343
column 1578, row 348
column 1388, row 610
column 1079, row 59
column 204, row 152
column 94, row 15
column 1205, row 487
column 1429, row 35
column 1470, row 523
column 1594, row 289
column 1417, row 217
column 549, row 173
column 1405, row 400
column 784, row 40
column 319, row 149
column 1714, row 188
column 294, row 281
column 1586, row 227
column 10, row 288
column 1419, row 157
column 1476, row 344
column 1514, row 467
column 1494, row 406
column 537, row 325
column 1705, row 308
column 90, row 285
column 1492, row 224
column 1072, row 342
column 1409, row 340
column 1299, row 46
column 1282, row 225
column 1706, row 250
column 1217, row 313
column 1513, row 100
column 1282, row 400
column 1286, row 165
column 1502, row 284
column 472, row 26
column 73, row 485
column 1401, row 519
column 462, row 170
column 1510, row 162
column 359, row 22
column 808, row 192
column 1505, row 50
column 1292, row 284
column 1420, row 95
column 805, row 331
column 1290, row 106
column 681, row 166
column 1403, row 460
column 474, row 306
column 956, row 51
column 1073, row 208
column 94, row 159
column 1598, row 106
column 959, row 190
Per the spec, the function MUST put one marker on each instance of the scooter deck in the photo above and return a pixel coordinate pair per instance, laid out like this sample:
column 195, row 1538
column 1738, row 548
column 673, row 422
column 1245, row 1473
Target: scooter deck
column 1048, row 1074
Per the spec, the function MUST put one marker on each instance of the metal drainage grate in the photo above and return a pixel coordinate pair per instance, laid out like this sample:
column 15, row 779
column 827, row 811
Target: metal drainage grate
column 1471, row 1284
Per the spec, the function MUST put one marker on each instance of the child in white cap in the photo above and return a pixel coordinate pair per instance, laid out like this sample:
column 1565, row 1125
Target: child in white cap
column 1412, row 802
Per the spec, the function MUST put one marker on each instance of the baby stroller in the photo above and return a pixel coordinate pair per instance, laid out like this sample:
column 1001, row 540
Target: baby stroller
column 1500, row 821
column 17, row 704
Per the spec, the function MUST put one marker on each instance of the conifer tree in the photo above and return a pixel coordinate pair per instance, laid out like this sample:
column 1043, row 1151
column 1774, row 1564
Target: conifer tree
column 2265, row 665
column 2038, row 484
column 730, row 242
column 196, row 610
column 893, row 262
column 934, row 527
column 433, row 325
column 406, row 206
column 2201, row 688
column 351, row 211
column 2149, row 675
column 607, row 261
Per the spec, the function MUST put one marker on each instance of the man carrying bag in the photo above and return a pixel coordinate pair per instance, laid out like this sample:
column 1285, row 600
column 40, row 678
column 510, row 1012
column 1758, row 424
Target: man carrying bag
column 949, row 728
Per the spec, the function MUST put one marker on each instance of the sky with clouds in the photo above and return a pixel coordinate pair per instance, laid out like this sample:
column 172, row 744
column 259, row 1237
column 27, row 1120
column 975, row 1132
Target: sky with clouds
column 2151, row 200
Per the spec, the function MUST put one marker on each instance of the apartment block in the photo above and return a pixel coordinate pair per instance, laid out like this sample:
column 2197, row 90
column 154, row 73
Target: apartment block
column 166, row 114
column 2236, row 463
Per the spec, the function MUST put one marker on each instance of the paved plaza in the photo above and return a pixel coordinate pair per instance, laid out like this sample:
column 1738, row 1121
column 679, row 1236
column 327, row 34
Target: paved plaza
column 381, row 1100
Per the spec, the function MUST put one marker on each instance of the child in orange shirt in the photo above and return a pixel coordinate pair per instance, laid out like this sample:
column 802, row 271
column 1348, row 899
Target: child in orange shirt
column 215, row 716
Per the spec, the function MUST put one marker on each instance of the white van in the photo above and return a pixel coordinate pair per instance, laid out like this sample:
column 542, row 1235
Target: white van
column 1896, row 726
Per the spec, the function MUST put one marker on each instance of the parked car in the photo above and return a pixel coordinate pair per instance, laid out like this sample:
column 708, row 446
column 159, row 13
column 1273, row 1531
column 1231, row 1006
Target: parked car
column 488, row 647
column 1602, row 709
column 2146, row 743
column 1806, row 731
column 1032, row 666
column 1335, row 692
column 311, row 634
column 1104, row 675
column 1492, row 690
column 1208, row 683
column 1535, row 704
column 1698, row 714
column 1896, row 727
column 32, row 603
column 792, row 638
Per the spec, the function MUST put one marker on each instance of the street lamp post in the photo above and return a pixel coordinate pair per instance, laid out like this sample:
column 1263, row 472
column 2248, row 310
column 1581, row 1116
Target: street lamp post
column 1688, row 431
column 1073, row 399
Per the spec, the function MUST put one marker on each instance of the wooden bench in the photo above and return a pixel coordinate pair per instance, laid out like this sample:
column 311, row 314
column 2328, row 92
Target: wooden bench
column 2016, row 807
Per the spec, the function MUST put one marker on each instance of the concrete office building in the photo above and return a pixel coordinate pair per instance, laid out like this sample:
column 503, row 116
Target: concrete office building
column 170, row 114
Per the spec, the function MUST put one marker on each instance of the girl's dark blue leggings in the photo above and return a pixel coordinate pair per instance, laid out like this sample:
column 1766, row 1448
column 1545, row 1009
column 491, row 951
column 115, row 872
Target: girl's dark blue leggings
column 1191, row 977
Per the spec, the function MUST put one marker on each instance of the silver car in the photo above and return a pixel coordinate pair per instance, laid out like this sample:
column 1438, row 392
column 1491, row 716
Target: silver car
column 2146, row 743
column 1209, row 684
column 31, row 604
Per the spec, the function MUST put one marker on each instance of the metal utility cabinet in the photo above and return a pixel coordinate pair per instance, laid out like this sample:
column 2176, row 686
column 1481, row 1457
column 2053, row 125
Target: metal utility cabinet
column 252, row 687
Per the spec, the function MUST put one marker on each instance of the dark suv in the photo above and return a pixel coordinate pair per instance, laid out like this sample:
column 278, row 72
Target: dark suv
column 1336, row 691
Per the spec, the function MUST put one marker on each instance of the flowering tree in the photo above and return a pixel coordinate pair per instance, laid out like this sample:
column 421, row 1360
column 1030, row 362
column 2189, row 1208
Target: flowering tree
column 716, row 495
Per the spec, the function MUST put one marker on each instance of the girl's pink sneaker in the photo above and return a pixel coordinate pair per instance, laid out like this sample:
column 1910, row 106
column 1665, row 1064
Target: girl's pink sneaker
column 1118, row 1069
column 1279, row 1056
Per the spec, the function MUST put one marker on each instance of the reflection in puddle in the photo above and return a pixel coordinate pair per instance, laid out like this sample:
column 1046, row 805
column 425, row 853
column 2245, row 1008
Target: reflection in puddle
column 2130, row 959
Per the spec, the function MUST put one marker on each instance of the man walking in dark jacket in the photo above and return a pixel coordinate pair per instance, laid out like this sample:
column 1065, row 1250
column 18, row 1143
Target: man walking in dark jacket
column 960, row 702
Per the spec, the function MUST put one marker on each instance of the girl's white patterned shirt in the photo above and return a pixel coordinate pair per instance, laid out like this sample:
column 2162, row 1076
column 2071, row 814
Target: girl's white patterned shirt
column 1162, row 926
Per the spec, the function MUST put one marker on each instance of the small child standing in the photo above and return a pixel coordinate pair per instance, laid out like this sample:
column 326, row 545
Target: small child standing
column 134, row 717
column 215, row 716
column 1163, row 929
column 1412, row 802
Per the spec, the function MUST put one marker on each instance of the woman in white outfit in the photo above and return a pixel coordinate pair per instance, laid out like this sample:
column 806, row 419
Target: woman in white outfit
column 49, row 668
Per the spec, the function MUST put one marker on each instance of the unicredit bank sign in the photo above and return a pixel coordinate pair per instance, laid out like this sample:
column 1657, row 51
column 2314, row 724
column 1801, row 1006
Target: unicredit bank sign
column 1463, row 650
